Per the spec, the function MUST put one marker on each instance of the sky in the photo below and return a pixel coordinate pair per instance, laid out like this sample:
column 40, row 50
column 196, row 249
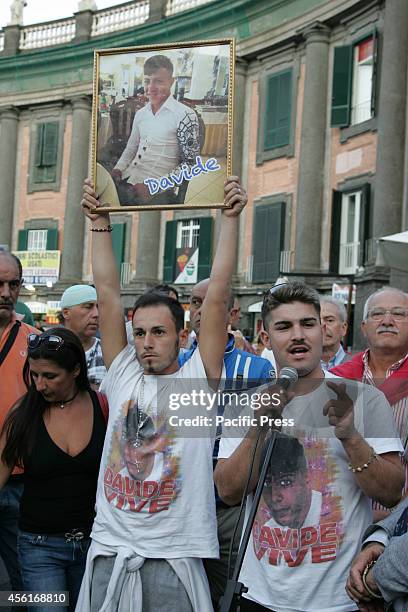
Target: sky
column 38, row 11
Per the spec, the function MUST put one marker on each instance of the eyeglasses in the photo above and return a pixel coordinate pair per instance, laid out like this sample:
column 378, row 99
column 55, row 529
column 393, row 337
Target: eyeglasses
column 52, row 343
column 399, row 314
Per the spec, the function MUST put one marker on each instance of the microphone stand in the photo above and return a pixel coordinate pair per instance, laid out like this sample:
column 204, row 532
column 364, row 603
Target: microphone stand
column 234, row 589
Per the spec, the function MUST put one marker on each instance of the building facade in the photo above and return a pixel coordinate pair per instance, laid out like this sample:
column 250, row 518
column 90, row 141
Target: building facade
column 320, row 142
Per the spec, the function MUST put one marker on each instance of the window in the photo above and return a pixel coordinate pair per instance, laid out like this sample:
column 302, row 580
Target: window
column 278, row 110
column 350, row 229
column 353, row 93
column 42, row 239
column 361, row 109
column 37, row 240
column 46, row 152
column 188, row 245
column 188, row 233
column 268, row 237
column 349, row 232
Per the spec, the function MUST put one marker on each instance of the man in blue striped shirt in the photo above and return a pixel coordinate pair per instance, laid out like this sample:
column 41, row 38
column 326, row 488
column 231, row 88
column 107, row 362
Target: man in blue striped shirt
column 242, row 370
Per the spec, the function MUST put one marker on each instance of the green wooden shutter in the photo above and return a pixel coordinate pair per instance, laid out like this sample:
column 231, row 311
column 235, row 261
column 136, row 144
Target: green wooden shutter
column 267, row 241
column 39, row 144
column 205, row 248
column 374, row 79
column 342, row 82
column 259, row 239
column 278, row 110
column 118, row 242
column 22, row 240
column 50, row 144
column 169, row 257
column 52, row 239
column 335, row 232
column 365, row 220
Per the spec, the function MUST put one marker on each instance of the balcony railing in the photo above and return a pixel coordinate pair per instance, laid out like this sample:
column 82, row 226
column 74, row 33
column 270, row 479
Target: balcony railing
column 47, row 34
column 176, row 6
column 120, row 17
column 125, row 273
column 286, row 261
column 349, row 254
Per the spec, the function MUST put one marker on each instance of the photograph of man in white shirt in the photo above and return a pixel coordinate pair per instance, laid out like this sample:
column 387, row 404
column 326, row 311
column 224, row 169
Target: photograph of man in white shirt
column 164, row 140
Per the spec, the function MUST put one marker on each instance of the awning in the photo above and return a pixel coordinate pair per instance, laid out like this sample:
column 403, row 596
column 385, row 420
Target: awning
column 257, row 307
column 393, row 251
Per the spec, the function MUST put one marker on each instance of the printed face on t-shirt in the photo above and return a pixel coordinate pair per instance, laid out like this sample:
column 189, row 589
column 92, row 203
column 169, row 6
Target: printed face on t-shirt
column 140, row 457
column 288, row 497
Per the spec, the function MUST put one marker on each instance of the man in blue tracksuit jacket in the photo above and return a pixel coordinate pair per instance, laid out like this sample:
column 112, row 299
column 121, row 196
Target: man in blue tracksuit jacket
column 242, row 371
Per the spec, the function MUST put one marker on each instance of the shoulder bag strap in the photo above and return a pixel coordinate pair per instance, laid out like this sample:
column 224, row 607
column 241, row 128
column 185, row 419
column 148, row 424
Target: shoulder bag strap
column 10, row 341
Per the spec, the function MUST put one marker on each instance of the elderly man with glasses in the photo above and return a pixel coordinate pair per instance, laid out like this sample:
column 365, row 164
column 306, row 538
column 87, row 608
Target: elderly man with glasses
column 384, row 364
column 13, row 353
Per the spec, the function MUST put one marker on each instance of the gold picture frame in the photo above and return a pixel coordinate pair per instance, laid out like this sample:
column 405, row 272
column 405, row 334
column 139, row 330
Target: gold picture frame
column 162, row 124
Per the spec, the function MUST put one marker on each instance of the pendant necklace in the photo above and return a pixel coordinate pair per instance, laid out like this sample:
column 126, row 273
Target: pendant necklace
column 142, row 418
column 62, row 404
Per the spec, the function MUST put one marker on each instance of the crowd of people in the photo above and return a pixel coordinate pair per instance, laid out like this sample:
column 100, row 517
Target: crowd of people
column 117, row 486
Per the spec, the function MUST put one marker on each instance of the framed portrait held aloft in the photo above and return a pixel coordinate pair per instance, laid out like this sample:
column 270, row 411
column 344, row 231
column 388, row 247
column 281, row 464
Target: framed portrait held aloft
column 162, row 120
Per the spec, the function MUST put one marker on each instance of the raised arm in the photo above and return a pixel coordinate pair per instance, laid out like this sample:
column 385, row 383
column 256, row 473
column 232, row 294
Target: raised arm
column 106, row 278
column 213, row 327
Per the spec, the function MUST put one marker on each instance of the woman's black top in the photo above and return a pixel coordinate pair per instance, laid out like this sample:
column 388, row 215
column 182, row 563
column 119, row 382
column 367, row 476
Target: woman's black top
column 60, row 490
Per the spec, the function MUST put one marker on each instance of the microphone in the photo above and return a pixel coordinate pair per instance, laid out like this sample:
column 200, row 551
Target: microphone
column 287, row 377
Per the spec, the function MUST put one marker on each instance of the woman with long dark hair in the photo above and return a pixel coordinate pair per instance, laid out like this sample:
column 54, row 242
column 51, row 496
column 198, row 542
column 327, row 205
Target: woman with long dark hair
column 56, row 433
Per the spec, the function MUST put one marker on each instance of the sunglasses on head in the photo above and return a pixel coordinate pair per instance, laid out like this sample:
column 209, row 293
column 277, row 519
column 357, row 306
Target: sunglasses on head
column 275, row 288
column 53, row 343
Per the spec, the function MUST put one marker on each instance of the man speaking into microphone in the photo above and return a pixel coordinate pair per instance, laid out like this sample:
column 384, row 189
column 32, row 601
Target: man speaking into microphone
column 348, row 450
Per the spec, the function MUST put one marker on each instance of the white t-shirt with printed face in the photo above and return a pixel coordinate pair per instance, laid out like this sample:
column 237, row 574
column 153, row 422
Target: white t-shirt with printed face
column 169, row 511
column 305, row 568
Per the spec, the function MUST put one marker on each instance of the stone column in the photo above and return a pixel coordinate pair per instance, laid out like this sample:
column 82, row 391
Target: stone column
column 8, row 152
column 312, row 150
column 389, row 180
column 74, row 223
column 237, row 153
column 147, row 254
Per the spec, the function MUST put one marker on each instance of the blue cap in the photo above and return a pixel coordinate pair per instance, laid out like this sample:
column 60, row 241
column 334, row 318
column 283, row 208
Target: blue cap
column 78, row 294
